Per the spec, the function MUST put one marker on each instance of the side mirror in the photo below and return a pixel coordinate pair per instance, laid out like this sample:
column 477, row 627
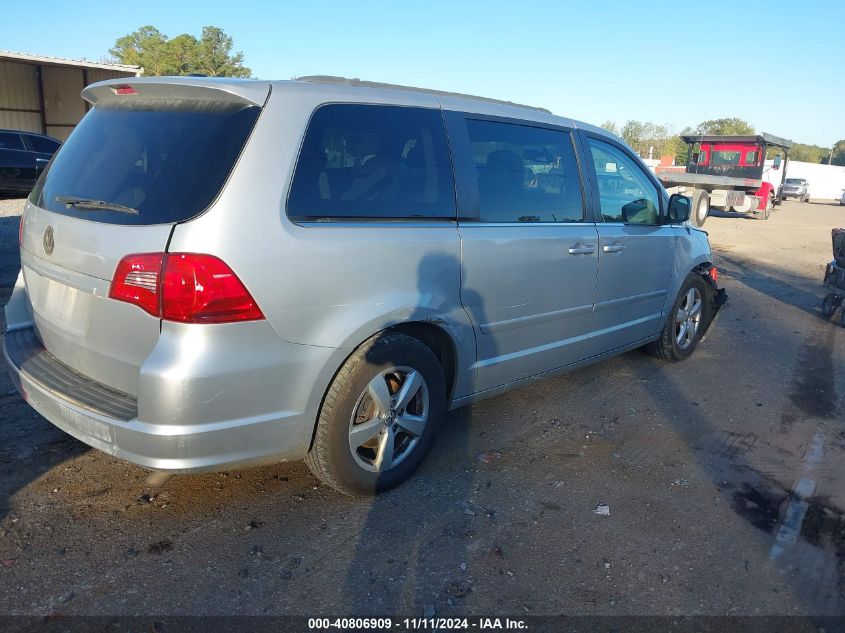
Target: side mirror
column 777, row 160
column 679, row 209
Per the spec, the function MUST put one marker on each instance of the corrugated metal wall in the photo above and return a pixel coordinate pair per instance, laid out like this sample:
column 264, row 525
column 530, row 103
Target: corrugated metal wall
column 63, row 106
column 20, row 106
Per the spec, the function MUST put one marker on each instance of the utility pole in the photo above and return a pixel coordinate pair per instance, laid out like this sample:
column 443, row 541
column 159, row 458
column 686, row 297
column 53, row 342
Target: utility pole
column 830, row 156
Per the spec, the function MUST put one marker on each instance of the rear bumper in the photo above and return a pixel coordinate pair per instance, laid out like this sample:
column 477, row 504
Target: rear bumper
column 177, row 440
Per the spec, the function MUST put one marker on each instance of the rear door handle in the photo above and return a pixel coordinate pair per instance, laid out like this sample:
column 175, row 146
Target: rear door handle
column 613, row 248
column 581, row 249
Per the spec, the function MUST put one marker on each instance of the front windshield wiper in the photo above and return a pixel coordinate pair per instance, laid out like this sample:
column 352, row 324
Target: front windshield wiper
column 88, row 203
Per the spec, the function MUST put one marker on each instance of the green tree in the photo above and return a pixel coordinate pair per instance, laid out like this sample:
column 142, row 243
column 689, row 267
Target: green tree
column 726, row 126
column 184, row 54
column 808, row 153
column 838, row 157
column 649, row 138
column 611, row 127
column 215, row 57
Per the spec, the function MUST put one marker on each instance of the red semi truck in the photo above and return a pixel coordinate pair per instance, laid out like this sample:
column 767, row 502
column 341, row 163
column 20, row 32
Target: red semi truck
column 728, row 173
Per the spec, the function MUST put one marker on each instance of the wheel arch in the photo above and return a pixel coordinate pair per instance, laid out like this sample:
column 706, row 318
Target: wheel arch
column 432, row 334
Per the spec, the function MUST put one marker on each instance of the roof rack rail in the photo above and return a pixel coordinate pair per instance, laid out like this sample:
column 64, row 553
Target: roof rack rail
column 328, row 79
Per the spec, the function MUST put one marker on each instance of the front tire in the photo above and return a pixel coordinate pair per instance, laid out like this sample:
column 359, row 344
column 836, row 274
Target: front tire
column 379, row 416
column 691, row 314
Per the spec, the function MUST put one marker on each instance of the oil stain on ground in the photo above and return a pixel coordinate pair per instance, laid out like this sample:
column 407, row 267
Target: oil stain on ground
column 813, row 386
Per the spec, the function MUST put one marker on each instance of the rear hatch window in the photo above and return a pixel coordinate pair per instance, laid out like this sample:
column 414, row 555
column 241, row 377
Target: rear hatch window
column 141, row 163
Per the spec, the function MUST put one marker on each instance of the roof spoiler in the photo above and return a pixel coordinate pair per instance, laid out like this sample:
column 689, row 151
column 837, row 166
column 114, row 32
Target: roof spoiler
column 218, row 90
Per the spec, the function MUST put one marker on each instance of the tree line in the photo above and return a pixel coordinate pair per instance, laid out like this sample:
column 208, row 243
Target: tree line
column 211, row 55
column 660, row 140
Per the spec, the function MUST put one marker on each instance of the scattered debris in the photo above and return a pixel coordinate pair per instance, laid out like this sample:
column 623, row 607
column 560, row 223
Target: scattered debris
column 9, row 562
column 145, row 499
column 254, row 525
column 603, row 510
column 683, row 483
column 488, row 457
column 458, row 589
column 463, row 566
column 160, row 546
column 67, row 597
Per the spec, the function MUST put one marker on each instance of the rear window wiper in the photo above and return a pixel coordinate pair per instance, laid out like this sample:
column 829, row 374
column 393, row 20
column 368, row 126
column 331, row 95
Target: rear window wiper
column 88, row 203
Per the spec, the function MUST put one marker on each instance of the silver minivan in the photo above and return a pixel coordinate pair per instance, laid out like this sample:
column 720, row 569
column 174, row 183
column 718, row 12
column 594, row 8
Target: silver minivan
column 218, row 273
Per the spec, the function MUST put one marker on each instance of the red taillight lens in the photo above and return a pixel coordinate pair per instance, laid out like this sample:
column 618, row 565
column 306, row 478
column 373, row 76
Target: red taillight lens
column 136, row 280
column 185, row 287
column 714, row 274
column 203, row 289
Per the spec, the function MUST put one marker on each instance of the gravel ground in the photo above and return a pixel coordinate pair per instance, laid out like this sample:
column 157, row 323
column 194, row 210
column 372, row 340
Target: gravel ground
column 695, row 462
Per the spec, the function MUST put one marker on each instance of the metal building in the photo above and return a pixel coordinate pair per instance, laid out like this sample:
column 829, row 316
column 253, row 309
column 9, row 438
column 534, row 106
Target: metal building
column 41, row 94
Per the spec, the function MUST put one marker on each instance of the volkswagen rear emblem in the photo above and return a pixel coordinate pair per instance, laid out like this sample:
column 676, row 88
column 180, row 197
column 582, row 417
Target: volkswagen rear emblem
column 48, row 240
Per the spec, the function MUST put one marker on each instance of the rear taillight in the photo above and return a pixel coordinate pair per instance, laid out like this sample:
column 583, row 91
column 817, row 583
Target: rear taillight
column 136, row 280
column 714, row 274
column 203, row 289
column 185, row 287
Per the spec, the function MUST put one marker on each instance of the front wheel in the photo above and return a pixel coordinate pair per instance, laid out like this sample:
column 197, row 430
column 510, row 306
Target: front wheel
column 379, row 416
column 691, row 314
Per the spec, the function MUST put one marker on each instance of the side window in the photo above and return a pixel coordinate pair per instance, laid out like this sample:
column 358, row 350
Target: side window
column 751, row 157
column 525, row 174
column 626, row 193
column 373, row 162
column 42, row 145
column 10, row 140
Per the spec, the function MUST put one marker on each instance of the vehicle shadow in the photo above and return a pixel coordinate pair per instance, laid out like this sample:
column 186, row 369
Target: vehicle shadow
column 29, row 445
column 779, row 284
column 792, row 554
column 412, row 550
column 736, row 215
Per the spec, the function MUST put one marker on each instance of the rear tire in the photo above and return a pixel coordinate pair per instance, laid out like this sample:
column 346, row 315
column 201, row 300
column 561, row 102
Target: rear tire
column 364, row 407
column 700, row 208
column 829, row 305
column 767, row 212
column 677, row 342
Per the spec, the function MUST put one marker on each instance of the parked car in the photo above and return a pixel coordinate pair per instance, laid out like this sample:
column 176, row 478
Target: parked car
column 23, row 155
column 214, row 275
column 796, row 188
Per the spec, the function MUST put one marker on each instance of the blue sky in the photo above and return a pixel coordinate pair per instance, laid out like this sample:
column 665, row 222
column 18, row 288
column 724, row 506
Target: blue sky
column 779, row 65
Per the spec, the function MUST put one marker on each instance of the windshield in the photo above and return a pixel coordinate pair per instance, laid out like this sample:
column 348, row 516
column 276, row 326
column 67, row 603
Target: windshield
column 167, row 160
column 794, row 181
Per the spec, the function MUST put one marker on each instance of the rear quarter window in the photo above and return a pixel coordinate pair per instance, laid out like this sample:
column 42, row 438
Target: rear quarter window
column 168, row 160
column 42, row 145
column 373, row 162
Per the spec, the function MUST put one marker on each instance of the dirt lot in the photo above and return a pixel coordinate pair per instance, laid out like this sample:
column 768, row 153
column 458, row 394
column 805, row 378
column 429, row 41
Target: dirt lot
column 698, row 464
